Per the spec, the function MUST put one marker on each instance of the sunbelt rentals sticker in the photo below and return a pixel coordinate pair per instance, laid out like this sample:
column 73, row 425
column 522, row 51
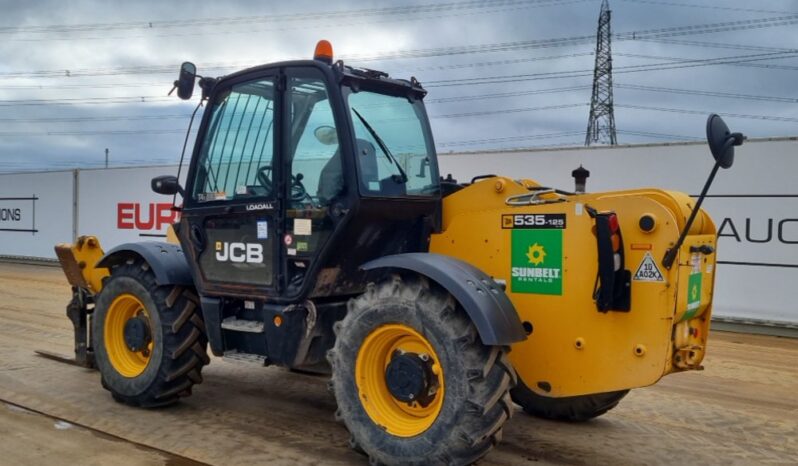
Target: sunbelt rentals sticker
column 693, row 295
column 536, row 261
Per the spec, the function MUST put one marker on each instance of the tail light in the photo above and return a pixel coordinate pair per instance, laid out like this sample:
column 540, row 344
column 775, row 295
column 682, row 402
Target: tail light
column 615, row 240
column 613, row 283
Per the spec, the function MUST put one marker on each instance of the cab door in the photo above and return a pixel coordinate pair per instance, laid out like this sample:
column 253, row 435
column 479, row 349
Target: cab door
column 230, row 223
column 316, row 183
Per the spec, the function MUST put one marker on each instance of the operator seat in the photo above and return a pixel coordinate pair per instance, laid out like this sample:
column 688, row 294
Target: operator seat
column 331, row 178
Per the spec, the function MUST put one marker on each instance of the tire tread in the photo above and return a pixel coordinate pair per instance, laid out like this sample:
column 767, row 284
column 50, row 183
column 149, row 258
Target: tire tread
column 488, row 372
column 183, row 329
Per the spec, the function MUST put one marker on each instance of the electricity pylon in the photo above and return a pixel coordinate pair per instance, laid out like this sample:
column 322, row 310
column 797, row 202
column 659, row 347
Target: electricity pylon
column 601, row 123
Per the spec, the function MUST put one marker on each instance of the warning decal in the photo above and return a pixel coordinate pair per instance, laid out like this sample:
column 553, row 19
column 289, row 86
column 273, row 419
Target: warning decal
column 648, row 270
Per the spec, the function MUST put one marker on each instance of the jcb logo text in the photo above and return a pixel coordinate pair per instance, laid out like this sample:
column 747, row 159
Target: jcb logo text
column 251, row 253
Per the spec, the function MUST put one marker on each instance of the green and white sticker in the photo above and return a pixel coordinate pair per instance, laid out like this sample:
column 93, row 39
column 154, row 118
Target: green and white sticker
column 536, row 261
column 693, row 292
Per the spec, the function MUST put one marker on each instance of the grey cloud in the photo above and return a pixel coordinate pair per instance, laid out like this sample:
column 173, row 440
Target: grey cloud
column 258, row 43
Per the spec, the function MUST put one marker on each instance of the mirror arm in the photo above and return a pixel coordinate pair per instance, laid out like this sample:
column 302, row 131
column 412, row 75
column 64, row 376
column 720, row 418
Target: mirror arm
column 731, row 142
column 670, row 254
column 206, row 84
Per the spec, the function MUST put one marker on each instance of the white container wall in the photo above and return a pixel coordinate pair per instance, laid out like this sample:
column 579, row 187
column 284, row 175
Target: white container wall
column 118, row 206
column 35, row 213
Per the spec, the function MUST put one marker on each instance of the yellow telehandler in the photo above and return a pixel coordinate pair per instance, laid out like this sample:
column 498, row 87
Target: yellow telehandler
column 317, row 233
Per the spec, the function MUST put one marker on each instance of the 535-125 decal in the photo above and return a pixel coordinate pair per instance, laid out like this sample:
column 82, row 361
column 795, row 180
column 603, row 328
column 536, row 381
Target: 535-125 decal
column 554, row 221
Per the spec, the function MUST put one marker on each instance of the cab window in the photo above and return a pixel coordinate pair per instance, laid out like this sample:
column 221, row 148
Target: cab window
column 316, row 168
column 394, row 151
column 237, row 152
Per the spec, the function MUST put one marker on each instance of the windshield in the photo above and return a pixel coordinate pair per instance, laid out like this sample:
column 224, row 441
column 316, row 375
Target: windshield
column 395, row 155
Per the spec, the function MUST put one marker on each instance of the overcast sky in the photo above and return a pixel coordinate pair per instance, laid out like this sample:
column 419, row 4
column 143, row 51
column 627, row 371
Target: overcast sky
column 77, row 77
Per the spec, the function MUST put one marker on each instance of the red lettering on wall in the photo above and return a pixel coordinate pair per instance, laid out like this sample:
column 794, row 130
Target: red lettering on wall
column 154, row 216
column 124, row 216
column 165, row 215
column 141, row 224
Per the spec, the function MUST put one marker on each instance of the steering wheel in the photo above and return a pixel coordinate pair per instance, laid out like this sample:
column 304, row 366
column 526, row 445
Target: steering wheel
column 264, row 173
column 298, row 191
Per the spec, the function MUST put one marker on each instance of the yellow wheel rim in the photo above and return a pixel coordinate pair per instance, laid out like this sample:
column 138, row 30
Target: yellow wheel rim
column 397, row 417
column 128, row 363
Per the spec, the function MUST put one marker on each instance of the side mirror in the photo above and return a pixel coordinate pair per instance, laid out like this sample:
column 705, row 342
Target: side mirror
column 722, row 141
column 185, row 83
column 166, row 184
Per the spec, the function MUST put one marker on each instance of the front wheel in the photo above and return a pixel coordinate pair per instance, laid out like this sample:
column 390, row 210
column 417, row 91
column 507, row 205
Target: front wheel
column 570, row 408
column 413, row 381
column 149, row 340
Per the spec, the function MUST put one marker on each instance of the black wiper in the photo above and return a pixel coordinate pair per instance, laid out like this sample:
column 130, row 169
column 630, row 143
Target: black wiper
column 382, row 145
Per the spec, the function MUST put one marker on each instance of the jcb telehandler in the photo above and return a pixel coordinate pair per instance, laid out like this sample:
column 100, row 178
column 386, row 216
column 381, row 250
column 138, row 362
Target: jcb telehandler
column 316, row 233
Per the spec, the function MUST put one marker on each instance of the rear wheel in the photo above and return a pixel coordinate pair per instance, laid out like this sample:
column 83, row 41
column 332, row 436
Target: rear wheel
column 413, row 382
column 149, row 340
column 571, row 408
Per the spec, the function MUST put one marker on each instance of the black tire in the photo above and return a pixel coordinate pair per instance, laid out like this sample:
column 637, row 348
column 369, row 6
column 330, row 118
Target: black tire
column 477, row 378
column 571, row 408
column 179, row 342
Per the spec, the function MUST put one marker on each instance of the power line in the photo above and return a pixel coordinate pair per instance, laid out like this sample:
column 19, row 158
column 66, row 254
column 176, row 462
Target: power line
column 175, row 131
column 272, row 18
column 683, row 63
column 88, row 101
column 660, row 135
column 508, row 139
column 47, row 87
column 445, row 100
column 282, row 22
column 319, row 24
column 702, row 112
column 513, row 61
column 509, row 110
column 728, row 95
column 165, row 84
column 710, row 7
column 690, row 63
column 747, row 63
column 720, row 45
column 737, row 25
column 572, row 143
column 450, row 51
column 500, row 95
column 93, row 132
column 771, row 66
column 96, row 119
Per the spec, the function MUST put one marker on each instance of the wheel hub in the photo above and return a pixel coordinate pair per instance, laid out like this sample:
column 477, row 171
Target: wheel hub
column 410, row 379
column 137, row 333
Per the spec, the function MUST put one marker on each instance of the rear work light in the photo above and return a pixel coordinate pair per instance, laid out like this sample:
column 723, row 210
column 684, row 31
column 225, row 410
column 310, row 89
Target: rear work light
column 613, row 289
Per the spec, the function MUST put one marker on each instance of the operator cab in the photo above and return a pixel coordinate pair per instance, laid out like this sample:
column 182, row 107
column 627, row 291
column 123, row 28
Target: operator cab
column 302, row 171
